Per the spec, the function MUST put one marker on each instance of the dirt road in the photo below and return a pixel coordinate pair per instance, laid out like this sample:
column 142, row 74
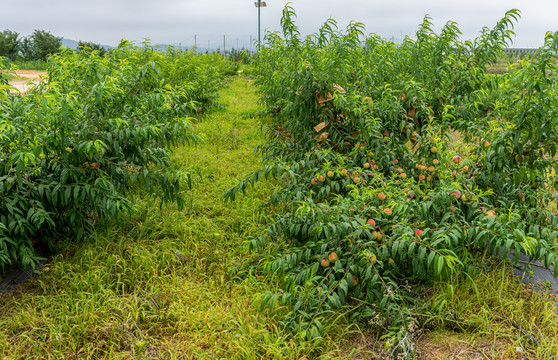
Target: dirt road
column 26, row 79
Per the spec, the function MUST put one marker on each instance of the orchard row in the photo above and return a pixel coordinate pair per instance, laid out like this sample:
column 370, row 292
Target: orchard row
column 72, row 147
column 399, row 163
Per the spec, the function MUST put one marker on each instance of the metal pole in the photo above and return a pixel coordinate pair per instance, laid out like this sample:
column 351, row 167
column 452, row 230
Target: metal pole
column 259, row 35
column 224, row 47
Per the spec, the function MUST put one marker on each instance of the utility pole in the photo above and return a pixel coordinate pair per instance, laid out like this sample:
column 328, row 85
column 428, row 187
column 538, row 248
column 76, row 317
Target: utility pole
column 224, row 47
column 196, row 40
column 259, row 4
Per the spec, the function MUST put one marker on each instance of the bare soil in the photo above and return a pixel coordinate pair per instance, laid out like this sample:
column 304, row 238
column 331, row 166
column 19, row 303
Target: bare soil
column 26, row 79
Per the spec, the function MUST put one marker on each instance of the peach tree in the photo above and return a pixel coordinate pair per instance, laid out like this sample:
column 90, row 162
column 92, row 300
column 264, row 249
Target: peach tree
column 73, row 147
column 376, row 194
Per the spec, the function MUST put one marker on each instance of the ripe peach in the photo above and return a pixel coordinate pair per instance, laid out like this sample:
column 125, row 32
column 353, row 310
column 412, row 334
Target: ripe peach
column 418, row 232
column 455, row 194
column 456, row 159
column 381, row 196
column 333, row 257
column 388, row 211
column 325, row 263
column 330, row 174
column 371, row 222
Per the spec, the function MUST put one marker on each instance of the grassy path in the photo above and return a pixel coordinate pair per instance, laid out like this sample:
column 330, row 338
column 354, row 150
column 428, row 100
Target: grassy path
column 155, row 286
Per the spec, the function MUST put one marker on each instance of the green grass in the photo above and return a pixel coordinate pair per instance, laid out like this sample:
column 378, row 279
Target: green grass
column 28, row 65
column 502, row 64
column 497, row 311
column 155, row 286
column 158, row 285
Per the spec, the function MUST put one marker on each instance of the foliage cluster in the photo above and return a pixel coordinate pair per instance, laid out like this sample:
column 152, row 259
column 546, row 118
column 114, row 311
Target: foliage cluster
column 91, row 45
column 36, row 47
column 240, row 55
column 72, row 147
column 9, row 44
column 376, row 194
column 155, row 286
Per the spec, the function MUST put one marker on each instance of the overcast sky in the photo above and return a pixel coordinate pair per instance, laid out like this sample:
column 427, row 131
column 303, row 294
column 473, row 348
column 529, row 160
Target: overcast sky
column 177, row 21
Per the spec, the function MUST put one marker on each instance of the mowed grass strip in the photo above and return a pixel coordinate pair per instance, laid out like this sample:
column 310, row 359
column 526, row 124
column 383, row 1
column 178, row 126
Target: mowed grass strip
column 155, row 286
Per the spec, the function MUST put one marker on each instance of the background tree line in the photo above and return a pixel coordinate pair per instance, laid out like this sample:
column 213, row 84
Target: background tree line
column 36, row 47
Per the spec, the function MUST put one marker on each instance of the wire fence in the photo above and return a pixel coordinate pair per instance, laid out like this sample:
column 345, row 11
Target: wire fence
column 219, row 43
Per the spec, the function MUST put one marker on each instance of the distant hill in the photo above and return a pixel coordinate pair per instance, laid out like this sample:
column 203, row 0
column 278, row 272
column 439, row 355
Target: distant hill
column 72, row 44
